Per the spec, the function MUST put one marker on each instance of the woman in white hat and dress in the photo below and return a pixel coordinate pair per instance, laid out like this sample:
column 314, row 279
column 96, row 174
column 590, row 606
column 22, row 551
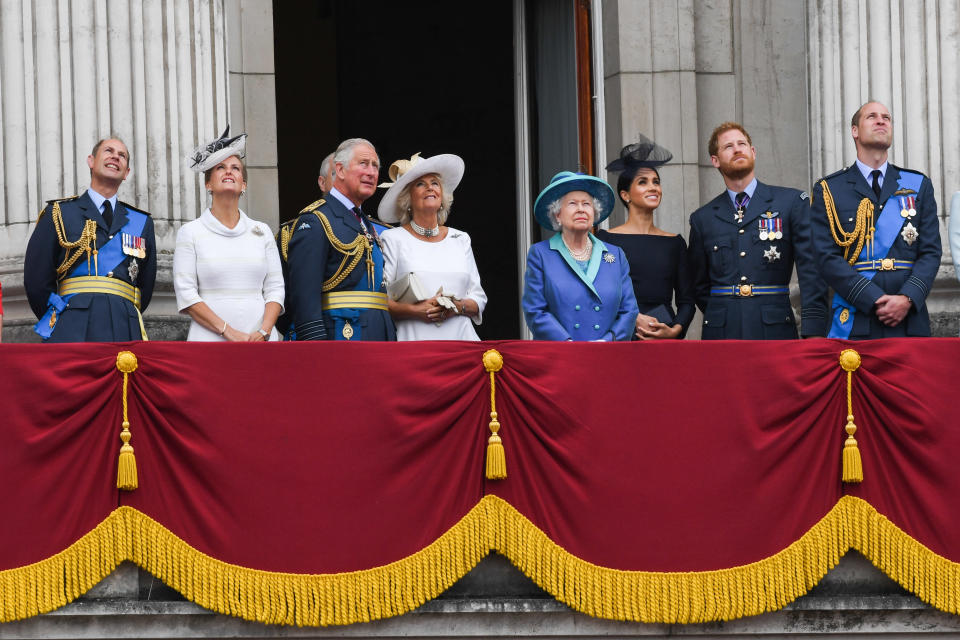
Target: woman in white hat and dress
column 226, row 266
column 440, row 257
column 577, row 287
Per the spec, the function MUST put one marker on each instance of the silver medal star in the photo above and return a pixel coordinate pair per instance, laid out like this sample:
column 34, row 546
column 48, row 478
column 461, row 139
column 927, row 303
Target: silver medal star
column 771, row 254
column 909, row 233
column 134, row 271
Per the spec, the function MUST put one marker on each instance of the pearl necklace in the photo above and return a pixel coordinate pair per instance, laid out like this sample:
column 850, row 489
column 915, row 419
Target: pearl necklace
column 582, row 255
column 423, row 231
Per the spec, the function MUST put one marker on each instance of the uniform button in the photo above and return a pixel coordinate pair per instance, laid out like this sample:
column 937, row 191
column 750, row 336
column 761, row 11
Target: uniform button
column 849, row 219
column 576, row 325
column 743, row 253
column 111, row 237
column 787, row 318
column 716, row 248
column 706, row 322
column 596, row 326
column 577, row 308
column 743, row 278
column 741, row 230
column 596, row 308
column 110, row 274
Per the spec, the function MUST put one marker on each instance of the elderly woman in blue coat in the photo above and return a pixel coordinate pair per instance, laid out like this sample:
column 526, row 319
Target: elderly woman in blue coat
column 576, row 287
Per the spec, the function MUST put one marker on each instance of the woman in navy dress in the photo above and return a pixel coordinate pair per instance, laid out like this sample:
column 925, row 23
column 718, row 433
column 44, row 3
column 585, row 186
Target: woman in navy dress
column 658, row 259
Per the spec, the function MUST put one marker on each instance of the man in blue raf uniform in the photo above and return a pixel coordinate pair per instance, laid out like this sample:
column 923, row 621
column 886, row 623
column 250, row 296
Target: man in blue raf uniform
column 91, row 261
column 877, row 237
column 743, row 246
column 334, row 266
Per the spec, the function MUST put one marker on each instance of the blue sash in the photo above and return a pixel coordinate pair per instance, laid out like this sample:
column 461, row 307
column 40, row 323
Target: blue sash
column 342, row 316
column 109, row 257
column 888, row 227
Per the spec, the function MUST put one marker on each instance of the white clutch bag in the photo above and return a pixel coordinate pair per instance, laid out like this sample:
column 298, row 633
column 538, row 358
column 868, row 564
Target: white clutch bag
column 407, row 289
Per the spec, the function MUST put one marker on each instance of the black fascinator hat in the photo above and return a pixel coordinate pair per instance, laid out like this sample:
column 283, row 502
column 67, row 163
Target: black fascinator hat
column 643, row 153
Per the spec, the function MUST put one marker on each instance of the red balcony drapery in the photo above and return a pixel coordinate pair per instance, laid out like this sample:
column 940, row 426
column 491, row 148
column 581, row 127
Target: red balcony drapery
column 332, row 483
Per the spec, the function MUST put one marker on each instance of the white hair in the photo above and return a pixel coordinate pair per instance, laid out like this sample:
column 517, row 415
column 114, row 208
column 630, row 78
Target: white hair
column 344, row 153
column 325, row 166
column 553, row 211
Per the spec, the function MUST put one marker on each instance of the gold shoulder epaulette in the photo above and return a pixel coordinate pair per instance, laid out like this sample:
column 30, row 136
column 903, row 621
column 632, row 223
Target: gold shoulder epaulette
column 284, row 233
column 55, row 200
column 314, row 205
column 381, row 223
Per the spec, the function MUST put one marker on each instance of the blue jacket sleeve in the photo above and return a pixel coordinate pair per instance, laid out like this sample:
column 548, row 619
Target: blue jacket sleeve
column 306, row 262
column 626, row 321
column 813, row 291
column 834, row 269
column 536, row 310
column 40, row 264
column 929, row 251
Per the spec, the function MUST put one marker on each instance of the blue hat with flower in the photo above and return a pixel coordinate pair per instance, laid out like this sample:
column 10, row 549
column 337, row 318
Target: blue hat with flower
column 567, row 181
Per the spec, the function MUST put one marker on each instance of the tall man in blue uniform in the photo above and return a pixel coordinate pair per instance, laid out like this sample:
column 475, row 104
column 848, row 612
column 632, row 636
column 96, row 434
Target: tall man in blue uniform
column 91, row 261
column 743, row 246
column 877, row 237
column 334, row 265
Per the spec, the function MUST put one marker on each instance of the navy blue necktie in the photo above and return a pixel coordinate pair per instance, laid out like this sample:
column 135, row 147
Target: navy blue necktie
column 108, row 213
column 876, row 181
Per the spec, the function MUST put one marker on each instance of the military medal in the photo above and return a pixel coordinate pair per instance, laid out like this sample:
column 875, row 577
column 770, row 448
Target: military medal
column 772, row 254
column 764, row 231
column 909, row 234
column 133, row 245
column 912, row 211
column 903, row 208
column 739, row 215
column 844, row 315
column 134, row 271
column 347, row 330
column 779, row 234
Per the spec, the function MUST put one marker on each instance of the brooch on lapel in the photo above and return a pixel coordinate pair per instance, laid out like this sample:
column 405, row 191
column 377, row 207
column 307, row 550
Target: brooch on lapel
column 257, row 231
column 609, row 257
column 909, row 234
column 772, row 254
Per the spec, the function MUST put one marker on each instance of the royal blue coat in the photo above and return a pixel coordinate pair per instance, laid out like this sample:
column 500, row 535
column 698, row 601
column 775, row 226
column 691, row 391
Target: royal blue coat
column 560, row 302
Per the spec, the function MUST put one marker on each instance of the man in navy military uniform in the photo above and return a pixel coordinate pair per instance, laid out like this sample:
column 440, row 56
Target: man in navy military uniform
column 334, row 265
column 91, row 261
column 877, row 237
column 743, row 246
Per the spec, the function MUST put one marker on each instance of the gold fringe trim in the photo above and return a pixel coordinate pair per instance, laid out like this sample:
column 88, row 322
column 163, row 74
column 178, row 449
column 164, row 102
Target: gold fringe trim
column 493, row 524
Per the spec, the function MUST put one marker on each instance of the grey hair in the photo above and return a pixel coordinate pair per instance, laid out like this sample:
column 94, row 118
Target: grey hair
column 553, row 211
column 344, row 153
column 325, row 165
column 403, row 202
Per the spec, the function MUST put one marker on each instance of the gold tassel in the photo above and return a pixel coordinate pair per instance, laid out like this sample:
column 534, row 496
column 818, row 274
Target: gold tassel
column 852, row 465
column 127, row 464
column 496, row 456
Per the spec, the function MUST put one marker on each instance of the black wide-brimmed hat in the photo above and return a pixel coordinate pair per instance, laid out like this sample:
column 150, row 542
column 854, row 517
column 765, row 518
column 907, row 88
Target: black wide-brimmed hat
column 643, row 153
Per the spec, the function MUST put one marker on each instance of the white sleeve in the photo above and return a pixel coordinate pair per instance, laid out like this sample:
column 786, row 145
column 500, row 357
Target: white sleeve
column 474, row 289
column 390, row 256
column 953, row 231
column 273, row 290
column 185, row 281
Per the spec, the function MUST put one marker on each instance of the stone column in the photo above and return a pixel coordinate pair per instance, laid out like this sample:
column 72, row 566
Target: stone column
column 71, row 72
column 904, row 54
column 651, row 88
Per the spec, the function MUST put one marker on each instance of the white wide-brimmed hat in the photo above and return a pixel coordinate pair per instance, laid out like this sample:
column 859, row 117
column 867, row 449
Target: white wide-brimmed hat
column 208, row 155
column 448, row 166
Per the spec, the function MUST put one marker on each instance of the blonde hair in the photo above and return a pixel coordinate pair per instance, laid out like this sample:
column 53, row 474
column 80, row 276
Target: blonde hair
column 405, row 213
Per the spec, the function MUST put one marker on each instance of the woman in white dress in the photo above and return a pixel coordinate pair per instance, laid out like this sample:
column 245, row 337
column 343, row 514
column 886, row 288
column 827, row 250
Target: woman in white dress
column 441, row 258
column 226, row 267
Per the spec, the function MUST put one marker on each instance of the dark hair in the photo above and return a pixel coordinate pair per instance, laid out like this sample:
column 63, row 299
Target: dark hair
column 713, row 145
column 626, row 179
column 100, row 142
column 209, row 172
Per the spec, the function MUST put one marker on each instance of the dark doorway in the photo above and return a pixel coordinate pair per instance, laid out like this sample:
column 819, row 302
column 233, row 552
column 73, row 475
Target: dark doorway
column 430, row 76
